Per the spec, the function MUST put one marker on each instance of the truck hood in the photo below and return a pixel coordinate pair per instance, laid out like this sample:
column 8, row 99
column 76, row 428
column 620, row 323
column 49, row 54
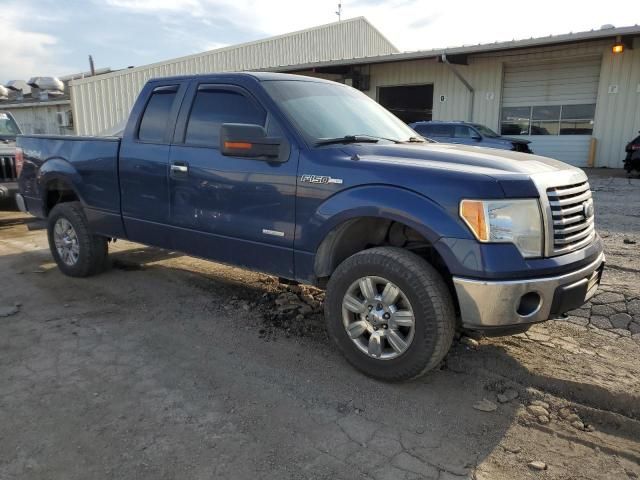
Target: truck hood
column 487, row 161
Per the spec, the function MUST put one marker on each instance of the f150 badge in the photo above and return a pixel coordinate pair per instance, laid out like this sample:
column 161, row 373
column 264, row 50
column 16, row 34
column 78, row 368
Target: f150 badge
column 319, row 179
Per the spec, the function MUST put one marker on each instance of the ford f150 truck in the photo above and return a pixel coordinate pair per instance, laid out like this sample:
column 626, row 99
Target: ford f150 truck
column 314, row 182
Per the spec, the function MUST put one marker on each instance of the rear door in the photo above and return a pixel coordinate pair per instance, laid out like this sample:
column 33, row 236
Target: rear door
column 144, row 165
column 235, row 210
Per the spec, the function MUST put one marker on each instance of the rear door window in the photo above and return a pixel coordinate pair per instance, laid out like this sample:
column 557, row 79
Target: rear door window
column 462, row 131
column 441, row 131
column 155, row 119
column 214, row 106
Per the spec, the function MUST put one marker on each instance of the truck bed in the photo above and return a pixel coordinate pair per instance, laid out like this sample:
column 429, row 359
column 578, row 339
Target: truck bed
column 90, row 164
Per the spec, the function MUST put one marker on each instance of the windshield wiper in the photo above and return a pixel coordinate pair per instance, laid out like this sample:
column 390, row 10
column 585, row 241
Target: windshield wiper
column 360, row 138
column 415, row 140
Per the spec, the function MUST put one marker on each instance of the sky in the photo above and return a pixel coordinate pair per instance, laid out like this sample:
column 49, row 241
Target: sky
column 55, row 37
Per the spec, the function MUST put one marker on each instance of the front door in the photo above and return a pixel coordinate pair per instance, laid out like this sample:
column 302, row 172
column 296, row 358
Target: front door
column 231, row 209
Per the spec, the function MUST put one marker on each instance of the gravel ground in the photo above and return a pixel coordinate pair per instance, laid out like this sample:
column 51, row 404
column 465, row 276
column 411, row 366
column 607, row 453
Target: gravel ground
column 171, row 367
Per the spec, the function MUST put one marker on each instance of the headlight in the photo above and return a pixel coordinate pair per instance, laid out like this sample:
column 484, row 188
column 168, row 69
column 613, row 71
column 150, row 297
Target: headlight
column 506, row 221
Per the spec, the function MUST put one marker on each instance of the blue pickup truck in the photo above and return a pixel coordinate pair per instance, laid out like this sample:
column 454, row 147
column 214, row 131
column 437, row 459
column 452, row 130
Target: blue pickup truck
column 312, row 181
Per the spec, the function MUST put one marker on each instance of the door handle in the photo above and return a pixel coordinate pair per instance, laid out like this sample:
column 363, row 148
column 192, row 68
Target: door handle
column 179, row 168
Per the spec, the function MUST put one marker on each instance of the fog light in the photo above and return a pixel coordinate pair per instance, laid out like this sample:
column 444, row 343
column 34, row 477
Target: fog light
column 529, row 304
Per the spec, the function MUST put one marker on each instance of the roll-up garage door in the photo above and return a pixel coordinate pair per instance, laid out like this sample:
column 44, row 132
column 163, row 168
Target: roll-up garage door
column 553, row 105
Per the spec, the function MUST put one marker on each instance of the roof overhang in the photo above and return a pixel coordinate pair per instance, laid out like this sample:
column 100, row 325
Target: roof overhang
column 460, row 55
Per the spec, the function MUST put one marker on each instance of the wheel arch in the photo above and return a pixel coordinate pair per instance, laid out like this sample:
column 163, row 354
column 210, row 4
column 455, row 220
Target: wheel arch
column 379, row 215
column 57, row 183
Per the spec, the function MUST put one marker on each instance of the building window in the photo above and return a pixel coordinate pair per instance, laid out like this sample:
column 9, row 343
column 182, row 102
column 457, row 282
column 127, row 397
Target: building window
column 545, row 120
column 577, row 119
column 548, row 120
column 516, row 120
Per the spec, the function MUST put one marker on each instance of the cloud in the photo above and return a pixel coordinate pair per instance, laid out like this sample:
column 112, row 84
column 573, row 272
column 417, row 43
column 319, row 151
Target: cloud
column 25, row 53
column 188, row 7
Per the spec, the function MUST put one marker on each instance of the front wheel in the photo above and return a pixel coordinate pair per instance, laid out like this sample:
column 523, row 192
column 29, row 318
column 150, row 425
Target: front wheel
column 390, row 313
column 75, row 249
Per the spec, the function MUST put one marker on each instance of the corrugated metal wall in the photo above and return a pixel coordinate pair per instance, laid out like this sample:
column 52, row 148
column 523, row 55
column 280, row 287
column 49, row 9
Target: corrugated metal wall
column 101, row 102
column 618, row 108
column 40, row 118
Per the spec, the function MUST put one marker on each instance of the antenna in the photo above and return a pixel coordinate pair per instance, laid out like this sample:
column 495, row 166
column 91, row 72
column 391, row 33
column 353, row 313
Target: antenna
column 339, row 12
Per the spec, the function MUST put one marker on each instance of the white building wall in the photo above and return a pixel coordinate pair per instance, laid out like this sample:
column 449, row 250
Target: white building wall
column 101, row 102
column 39, row 118
column 618, row 108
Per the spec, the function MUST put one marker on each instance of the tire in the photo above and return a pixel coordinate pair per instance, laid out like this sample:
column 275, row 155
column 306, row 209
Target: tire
column 92, row 250
column 422, row 291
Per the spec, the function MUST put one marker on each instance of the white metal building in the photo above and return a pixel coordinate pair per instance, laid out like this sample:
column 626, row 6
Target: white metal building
column 571, row 95
column 100, row 103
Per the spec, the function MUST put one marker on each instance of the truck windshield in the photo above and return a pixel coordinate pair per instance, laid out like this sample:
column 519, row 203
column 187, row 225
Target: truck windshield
column 8, row 127
column 325, row 111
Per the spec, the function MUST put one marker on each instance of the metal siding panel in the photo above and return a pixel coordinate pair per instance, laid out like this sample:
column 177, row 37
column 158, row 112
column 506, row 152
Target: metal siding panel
column 617, row 115
column 486, row 78
column 548, row 83
column 572, row 149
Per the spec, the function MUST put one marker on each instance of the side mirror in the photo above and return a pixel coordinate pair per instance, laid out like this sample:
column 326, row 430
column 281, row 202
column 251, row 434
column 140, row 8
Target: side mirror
column 476, row 137
column 251, row 141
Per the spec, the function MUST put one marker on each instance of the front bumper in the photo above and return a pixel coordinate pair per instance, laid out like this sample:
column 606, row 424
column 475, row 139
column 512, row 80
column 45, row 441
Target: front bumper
column 486, row 305
column 8, row 190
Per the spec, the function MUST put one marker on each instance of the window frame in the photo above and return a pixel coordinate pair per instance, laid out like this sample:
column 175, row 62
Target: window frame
column 172, row 117
column 559, row 122
column 180, row 134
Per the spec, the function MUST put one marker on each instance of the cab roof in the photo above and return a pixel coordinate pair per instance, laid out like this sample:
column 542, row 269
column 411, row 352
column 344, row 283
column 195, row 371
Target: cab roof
column 259, row 76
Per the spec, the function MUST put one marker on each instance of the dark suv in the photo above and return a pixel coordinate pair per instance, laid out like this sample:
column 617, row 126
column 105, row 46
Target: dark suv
column 469, row 134
column 8, row 176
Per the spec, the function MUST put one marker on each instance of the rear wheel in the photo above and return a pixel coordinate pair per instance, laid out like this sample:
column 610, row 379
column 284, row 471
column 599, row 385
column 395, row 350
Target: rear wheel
column 390, row 313
column 75, row 249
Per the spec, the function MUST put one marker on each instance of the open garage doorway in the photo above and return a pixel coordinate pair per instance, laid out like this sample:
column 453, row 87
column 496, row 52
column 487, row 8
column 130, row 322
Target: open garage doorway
column 410, row 103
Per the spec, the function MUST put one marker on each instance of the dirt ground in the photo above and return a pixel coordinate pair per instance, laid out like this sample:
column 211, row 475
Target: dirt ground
column 169, row 367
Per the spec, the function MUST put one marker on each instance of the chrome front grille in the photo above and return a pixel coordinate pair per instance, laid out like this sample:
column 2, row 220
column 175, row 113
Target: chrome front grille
column 8, row 168
column 572, row 216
